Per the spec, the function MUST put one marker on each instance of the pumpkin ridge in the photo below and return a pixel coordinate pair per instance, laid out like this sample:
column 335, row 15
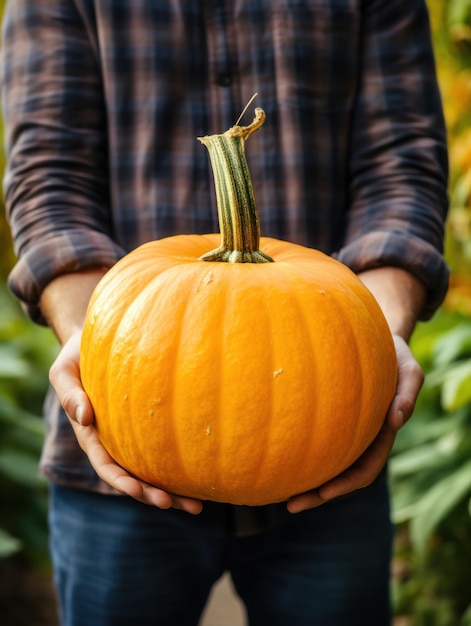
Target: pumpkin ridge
column 281, row 356
column 239, row 458
column 200, row 313
column 356, row 421
column 376, row 417
column 301, row 460
column 151, row 298
column 101, row 346
column 361, row 398
column 309, row 309
column 383, row 341
column 263, row 442
column 110, row 437
column 322, row 296
column 186, row 273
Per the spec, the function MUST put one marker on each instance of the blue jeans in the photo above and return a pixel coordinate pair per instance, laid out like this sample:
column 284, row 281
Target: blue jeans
column 121, row 563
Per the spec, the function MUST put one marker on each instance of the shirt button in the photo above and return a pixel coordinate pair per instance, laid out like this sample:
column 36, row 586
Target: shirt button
column 223, row 79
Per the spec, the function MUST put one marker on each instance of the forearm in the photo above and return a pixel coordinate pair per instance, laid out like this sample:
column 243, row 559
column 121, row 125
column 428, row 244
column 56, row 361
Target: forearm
column 64, row 301
column 398, row 166
column 400, row 295
column 56, row 183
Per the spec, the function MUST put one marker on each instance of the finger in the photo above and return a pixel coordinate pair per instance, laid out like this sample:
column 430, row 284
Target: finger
column 104, row 465
column 162, row 499
column 76, row 404
column 107, row 469
column 190, row 505
column 409, row 383
column 365, row 470
column 64, row 376
column 359, row 475
column 157, row 497
column 118, row 478
column 304, row 501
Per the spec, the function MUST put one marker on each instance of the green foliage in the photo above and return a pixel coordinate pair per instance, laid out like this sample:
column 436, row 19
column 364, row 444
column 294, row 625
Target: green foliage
column 431, row 466
column 431, row 479
column 26, row 352
column 431, row 463
column 433, row 586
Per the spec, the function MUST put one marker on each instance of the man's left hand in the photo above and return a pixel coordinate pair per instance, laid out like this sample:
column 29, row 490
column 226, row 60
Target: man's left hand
column 366, row 469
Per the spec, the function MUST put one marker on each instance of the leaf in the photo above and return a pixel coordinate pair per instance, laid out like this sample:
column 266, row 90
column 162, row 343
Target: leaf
column 12, row 365
column 408, row 492
column 417, row 460
column 20, row 467
column 18, row 418
column 8, row 544
column 424, row 337
column 456, row 390
column 461, row 191
column 459, row 11
column 425, row 427
column 466, row 617
column 453, row 344
column 405, row 513
column 438, row 502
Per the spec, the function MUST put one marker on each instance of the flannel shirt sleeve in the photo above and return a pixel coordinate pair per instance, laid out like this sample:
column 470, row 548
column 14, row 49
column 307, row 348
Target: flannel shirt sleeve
column 399, row 169
column 55, row 185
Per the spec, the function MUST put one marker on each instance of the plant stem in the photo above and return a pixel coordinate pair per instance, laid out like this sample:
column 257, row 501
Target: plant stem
column 237, row 212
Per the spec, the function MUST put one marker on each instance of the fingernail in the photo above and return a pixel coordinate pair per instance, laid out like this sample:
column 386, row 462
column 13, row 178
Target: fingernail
column 79, row 415
column 402, row 417
column 295, row 508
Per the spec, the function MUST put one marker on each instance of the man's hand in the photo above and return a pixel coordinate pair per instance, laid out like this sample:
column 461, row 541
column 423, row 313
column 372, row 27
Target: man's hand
column 364, row 471
column 64, row 303
column 401, row 297
column 65, row 378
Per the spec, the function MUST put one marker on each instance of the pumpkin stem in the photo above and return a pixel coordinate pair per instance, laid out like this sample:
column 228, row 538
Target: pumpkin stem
column 237, row 211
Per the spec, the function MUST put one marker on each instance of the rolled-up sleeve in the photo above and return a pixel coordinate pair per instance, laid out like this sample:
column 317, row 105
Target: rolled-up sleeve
column 399, row 169
column 56, row 185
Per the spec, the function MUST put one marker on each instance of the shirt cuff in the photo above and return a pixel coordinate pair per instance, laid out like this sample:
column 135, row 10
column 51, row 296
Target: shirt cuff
column 403, row 250
column 64, row 254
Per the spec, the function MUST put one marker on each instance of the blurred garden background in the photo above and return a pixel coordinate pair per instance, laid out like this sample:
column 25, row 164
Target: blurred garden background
column 431, row 464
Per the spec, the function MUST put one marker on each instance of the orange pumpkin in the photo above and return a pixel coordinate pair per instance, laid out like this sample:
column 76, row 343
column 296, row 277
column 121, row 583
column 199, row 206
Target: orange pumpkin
column 225, row 376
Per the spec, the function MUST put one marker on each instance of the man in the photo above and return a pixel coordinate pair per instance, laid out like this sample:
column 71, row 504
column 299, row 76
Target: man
column 103, row 101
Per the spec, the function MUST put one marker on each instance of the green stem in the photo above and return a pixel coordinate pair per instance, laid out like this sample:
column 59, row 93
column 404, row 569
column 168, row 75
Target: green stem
column 237, row 212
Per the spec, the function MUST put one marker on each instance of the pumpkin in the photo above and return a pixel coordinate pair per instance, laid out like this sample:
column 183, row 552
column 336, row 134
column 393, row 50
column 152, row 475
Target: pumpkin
column 243, row 373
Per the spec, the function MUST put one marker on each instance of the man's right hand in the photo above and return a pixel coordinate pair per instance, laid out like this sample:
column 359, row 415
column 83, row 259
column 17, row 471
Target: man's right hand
column 64, row 303
column 65, row 378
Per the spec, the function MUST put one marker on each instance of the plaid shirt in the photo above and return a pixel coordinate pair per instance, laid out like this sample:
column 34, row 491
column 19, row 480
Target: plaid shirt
column 103, row 102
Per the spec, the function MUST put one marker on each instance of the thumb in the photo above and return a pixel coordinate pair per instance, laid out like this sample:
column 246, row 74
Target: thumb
column 64, row 376
column 409, row 383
